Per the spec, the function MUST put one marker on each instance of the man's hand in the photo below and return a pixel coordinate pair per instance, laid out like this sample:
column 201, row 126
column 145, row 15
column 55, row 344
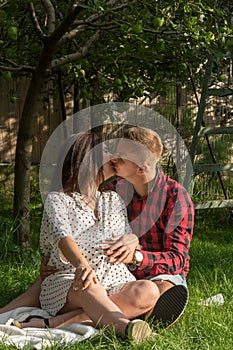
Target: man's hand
column 84, row 276
column 46, row 270
column 120, row 249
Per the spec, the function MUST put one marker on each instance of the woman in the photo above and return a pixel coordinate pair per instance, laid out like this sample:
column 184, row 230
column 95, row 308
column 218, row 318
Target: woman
column 76, row 218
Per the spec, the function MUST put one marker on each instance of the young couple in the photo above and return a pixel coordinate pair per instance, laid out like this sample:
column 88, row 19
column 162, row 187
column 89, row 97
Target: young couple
column 87, row 236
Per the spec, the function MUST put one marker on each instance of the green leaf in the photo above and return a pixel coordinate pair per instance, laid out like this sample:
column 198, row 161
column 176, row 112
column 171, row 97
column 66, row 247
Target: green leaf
column 12, row 32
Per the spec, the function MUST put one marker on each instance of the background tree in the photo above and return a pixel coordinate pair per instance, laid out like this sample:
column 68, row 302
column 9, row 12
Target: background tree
column 50, row 28
column 126, row 48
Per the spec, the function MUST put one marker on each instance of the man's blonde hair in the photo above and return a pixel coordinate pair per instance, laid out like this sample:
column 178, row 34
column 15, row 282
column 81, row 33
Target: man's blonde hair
column 146, row 137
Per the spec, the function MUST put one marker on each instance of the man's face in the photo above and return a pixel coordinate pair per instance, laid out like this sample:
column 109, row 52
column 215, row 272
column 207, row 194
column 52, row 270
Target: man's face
column 125, row 160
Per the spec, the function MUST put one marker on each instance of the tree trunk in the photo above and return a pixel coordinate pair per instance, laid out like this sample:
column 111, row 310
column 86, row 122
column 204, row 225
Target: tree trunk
column 27, row 124
column 26, row 134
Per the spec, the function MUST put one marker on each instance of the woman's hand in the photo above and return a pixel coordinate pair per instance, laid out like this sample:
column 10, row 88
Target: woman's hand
column 120, row 248
column 46, row 270
column 84, row 276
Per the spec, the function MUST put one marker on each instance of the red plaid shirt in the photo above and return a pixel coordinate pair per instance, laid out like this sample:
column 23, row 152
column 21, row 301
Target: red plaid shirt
column 163, row 220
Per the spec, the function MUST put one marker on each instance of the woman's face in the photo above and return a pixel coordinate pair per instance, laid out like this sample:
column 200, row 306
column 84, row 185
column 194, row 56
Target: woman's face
column 107, row 168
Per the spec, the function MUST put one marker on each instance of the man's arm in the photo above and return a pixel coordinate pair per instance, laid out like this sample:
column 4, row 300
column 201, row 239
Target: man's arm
column 172, row 257
column 177, row 223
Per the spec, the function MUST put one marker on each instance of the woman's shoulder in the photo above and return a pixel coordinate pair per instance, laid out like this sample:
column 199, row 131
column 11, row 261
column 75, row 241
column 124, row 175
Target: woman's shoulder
column 58, row 197
column 56, row 194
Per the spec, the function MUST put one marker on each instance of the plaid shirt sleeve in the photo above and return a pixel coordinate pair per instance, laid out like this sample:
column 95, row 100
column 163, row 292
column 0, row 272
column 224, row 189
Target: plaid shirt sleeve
column 167, row 252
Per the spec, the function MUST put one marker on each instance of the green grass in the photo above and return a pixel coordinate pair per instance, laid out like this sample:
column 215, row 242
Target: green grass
column 200, row 327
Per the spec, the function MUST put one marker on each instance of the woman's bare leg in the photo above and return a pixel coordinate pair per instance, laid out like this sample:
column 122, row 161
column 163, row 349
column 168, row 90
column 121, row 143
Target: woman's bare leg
column 75, row 316
column 98, row 306
column 93, row 302
column 133, row 300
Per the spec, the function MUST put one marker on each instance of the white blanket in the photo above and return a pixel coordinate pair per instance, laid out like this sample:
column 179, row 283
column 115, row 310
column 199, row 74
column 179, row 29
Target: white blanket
column 39, row 337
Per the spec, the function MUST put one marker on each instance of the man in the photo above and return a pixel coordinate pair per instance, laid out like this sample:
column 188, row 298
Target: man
column 161, row 215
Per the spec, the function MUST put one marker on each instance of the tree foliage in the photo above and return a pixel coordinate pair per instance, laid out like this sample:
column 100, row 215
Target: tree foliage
column 127, row 48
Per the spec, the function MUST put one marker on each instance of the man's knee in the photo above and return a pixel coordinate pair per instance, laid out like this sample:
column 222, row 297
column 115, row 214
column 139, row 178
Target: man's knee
column 142, row 293
column 163, row 285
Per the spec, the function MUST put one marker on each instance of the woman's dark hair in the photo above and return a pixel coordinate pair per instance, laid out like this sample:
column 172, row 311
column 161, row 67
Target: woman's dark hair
column 80, row 165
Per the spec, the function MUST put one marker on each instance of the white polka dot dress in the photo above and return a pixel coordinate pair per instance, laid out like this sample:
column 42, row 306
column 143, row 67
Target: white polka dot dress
column 69, row 216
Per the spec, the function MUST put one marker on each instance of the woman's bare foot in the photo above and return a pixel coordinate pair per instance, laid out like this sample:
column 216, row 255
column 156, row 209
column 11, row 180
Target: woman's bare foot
column 33, row 322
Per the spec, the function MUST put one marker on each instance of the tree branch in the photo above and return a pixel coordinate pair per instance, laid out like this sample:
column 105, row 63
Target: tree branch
column 18, row 68
column 62, row 28
column 35, row 21
column 8, row 61
column 14, row 67
column 75, row 56
column 73, row 33
column 51, row 15
column 89, row 22
column 160, row 32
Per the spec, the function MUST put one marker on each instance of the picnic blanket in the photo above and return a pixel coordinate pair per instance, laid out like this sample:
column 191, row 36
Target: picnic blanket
column 38, row 338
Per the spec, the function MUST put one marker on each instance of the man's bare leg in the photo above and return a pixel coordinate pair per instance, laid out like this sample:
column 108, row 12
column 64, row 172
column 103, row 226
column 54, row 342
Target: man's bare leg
column 136, row 298
column 170, row 305
column 29, row 298
column 163, row 286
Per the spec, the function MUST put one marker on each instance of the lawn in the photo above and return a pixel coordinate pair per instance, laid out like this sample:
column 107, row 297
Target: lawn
column 201, row 327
